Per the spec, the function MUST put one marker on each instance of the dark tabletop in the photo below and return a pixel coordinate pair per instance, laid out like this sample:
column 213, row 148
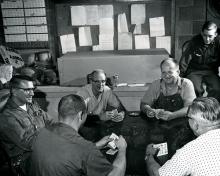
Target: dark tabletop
column 139, row 131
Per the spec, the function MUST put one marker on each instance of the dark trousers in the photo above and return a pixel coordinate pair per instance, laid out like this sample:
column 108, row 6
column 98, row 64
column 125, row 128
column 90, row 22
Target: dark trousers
column 209, row 78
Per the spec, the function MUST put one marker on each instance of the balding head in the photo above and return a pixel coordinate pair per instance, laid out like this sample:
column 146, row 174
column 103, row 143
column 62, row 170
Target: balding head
column 70, row 105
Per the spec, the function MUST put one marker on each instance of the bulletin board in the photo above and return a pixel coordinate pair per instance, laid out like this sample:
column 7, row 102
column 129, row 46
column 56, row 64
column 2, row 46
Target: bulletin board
column 154, row 8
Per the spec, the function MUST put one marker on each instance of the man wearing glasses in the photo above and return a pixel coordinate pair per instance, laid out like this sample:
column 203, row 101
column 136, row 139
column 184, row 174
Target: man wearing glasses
column 100, row 99
column 21, row 119
column 200, row 156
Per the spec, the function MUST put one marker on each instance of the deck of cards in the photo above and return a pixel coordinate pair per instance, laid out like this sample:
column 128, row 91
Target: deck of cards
column 113, row 148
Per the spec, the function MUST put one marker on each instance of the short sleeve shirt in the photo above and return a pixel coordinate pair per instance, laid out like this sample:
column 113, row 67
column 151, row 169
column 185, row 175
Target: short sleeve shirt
column 98, row 105
column 187, row 91
column 200, row 157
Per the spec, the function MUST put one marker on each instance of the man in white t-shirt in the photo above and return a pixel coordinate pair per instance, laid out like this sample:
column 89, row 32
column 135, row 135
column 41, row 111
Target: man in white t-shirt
column 200, row 157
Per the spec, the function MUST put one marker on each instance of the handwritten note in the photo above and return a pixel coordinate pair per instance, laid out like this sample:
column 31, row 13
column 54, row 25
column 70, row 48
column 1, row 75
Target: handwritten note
column 85, row 38
column 68, row 43
column 142, row 42
column 122, row 23
column 164, row 42
column 124, row 41
column 138, row 14
column 157, row 27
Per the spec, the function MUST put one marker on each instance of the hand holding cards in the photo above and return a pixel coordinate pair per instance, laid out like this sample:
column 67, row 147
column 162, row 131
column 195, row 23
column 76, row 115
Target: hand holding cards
column 115, row 115
column 162, row 148
column 112, row 145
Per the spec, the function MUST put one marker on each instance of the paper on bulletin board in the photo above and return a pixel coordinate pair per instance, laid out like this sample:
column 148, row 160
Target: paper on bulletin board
column 157, row 27
column 78, row 15
column 164, row 42
column 122, row 23
column 142, row 42
column 138, row 14
column 92, row 15
column 137, row 29
column 68, row 43
column 106, row 41
column 85, row 38
column 124, row 41
column 105, row 11
column 106, row 26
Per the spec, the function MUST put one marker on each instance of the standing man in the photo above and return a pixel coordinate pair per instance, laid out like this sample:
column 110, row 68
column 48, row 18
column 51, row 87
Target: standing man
column 60, row 150
column 99, row 97
column 169, row 97
column 200, row 156
column 201, row 59
column 20, row 120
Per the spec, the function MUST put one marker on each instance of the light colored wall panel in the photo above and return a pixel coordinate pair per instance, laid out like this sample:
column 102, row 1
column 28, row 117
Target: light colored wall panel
column 14, row 30
column 13, row 21
column 37, row 37
column 37, row 29
column 12, row 12
column 15, row 38
column 36, row 20
column 35, row 12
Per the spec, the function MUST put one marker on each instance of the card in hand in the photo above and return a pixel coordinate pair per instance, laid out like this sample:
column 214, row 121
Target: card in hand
column 111, row 151
column 163, row 149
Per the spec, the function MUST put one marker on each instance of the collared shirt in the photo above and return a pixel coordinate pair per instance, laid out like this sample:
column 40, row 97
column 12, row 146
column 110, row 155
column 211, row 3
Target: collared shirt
column 60, row 151
column 200, row 157
column 18, row 127
column 97, row 106
column 187, row 91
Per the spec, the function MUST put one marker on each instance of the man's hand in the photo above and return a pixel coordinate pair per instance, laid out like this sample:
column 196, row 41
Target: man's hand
column 118, row 117
column 150, row 112
column 103, row 142
column 165, row 115
column 150, row 150
column 121, row 144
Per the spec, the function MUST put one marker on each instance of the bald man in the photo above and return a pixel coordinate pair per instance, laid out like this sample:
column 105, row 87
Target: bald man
column 100, row 99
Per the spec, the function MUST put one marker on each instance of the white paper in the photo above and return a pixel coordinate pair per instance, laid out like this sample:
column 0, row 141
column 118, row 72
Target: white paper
column 105, row 11
column 106, row 42
column 137, row 29
column 96, row 48
column 12, row 4
column 124, row 41
column 35, row 12
column 106, row 26
column 164, row 42
column 92, row 15
column 36, row 20
column 12, row 12
column 122, row 23
column 142, row 42
column 37, row 37
column 68, row 43
column 85, row 36
column 78, row 15
column 37, row 29
column 138, row 14
column 157, row 27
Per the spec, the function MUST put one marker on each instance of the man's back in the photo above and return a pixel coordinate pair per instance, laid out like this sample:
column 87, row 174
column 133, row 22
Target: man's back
column 60, row 150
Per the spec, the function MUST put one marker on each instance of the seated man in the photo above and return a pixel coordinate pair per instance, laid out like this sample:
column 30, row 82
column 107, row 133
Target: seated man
column 100, row 99
column 169, row 97
column 20, row 119
column 200, row 156
column 201, row 59
column 60, row 150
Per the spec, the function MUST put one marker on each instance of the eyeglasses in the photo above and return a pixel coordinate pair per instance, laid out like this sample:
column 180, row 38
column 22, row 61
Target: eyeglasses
column 99, row 81
column 26, row 89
